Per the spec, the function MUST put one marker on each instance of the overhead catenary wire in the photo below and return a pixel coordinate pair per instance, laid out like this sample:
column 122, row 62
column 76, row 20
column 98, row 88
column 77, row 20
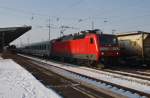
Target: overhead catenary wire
column 35, row 15
column 67, row 18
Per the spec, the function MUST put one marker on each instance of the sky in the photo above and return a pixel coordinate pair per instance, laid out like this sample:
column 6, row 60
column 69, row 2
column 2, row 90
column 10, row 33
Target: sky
column 107, row 15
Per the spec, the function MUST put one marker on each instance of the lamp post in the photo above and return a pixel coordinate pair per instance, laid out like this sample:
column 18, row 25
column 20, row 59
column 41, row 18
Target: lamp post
column 49, row 28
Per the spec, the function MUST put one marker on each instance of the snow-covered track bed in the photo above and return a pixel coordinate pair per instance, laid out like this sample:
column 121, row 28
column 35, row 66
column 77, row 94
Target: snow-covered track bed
column 121, row 85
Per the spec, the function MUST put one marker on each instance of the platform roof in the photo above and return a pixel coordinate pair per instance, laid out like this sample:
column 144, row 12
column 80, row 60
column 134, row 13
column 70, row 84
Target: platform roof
column 9, row 34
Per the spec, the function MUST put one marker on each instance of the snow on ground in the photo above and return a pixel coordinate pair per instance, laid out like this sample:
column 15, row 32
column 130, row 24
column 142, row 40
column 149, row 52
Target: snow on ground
column 16, row 82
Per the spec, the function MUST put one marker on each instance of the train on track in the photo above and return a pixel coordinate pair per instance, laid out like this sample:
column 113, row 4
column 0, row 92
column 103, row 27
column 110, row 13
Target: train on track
column 90, row 47
column 135, row 47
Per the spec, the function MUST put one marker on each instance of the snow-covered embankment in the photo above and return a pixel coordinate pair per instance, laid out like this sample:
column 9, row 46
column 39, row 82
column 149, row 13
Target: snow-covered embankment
column 16, row 82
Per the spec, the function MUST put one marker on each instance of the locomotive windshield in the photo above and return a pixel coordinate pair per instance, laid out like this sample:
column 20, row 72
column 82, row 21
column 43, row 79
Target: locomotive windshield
column 108, row 40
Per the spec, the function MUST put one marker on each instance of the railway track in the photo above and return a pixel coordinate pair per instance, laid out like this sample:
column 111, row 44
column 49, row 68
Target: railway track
column 65, row 87
column 143, row 73
column 99, row 79
column 136, row 74
column 136, row 71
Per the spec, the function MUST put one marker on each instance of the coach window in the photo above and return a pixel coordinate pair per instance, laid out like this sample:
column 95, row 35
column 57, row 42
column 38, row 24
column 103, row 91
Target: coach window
column 91, row 40
column 45, row 47
column 40, row 47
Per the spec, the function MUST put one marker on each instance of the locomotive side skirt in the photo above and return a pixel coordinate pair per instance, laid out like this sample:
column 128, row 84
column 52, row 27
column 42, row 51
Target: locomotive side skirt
column 79, row 56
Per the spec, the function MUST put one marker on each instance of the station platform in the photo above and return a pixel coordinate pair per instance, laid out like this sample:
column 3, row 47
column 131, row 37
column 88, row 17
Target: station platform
column 16, row 82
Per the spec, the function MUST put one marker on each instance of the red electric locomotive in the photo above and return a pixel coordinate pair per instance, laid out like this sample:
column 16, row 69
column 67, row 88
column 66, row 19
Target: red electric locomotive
column 91, row 46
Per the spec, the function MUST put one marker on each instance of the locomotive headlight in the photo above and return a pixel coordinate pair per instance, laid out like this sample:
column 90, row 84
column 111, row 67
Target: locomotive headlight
column 117, row 53
column 102, row 53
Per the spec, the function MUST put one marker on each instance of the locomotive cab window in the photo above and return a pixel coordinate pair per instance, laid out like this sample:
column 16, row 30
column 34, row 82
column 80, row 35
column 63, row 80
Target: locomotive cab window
column 91, row 40
column 108, row 40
